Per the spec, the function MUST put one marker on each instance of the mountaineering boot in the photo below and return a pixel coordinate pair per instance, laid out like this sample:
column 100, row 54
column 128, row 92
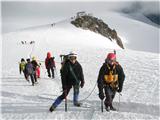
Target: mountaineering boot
column 112, row 108
column 55, row 104
column 75, row 95
column 77, row 104
column 52, row 108
column 49, row 76
column 36, row 82
column 27, row 80
column 107, row 108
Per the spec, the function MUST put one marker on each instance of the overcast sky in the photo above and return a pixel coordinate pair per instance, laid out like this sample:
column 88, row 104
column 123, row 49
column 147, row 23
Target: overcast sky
column 18, row 15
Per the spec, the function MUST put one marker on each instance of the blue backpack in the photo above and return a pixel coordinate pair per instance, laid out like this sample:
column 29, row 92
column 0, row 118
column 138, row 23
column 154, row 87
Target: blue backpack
column 29, row 68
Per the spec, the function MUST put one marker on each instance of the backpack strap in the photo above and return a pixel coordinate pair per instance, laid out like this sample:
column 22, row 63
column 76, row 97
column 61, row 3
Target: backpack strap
column 72, row 72
column 114, row 85
column 109, row 68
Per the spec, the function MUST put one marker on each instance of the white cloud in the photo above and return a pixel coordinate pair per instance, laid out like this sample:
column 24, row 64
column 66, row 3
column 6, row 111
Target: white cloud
column 48, row 11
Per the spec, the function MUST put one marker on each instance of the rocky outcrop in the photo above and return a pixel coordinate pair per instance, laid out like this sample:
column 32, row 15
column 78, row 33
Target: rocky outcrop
column 88, row 22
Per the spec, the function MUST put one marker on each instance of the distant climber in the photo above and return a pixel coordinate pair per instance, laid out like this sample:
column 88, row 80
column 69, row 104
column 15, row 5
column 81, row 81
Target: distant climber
column 50, row 65
column 22, row 65
column 22, row 42
column 30, row 71
column 35, row 66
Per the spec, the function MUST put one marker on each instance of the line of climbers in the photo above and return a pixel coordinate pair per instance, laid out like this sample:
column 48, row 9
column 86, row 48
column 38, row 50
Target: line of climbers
column 110, row 80
column 25, row 42
column 32, row 68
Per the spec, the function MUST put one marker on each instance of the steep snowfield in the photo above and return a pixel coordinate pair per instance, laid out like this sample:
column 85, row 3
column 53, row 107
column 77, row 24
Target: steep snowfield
column 140, row 17
column 137, row 35
column 140, row 96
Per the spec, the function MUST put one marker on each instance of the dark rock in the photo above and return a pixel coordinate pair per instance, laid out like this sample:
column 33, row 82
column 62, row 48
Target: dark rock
column 88, row 22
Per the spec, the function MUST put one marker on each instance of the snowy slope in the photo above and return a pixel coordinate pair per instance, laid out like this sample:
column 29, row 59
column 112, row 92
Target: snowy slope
column 140, row 96
column 137, row 35
column 140, row 17
column 55, row 39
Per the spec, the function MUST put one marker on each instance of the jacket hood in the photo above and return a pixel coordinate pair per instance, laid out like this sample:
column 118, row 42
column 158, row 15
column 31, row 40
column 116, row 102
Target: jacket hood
column 48, row 55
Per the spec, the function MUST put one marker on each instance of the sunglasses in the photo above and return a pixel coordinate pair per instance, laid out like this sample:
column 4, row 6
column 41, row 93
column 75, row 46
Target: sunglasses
column 112, row 61
column 72, row 58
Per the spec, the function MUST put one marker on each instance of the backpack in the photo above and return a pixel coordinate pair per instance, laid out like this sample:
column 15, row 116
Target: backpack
column 22, row 66
column 112, row 77
column 49, row 62
column 29, row 68
column 64, row 59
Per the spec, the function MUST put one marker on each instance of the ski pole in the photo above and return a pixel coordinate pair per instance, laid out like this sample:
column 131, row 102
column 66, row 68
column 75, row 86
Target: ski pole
column 119, row 101
column 102, row 105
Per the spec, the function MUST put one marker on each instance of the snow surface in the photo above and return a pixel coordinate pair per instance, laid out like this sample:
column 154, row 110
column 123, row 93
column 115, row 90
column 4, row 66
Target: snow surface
column 136, row 34
column 140, row 17
column 140, row 96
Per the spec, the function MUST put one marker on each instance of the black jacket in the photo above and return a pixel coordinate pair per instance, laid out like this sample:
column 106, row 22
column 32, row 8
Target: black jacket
column 105, row 71
column 68, row 78
column 35, row 64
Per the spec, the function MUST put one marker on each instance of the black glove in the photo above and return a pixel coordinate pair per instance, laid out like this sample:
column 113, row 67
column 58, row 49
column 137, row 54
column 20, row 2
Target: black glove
column 119, row 90
column 64, row 88
column 101, row 96
column 82, row 84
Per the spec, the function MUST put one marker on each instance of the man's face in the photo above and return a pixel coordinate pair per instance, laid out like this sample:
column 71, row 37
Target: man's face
column 72, row 59
column 111, row 62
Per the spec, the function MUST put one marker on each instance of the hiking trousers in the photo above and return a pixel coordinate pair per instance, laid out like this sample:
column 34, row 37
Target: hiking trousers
column 49, row 73
column 110, row 94
column 65, row 93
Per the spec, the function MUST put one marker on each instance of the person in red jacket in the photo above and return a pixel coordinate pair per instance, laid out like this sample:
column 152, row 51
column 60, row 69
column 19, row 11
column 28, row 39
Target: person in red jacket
column 50, row 64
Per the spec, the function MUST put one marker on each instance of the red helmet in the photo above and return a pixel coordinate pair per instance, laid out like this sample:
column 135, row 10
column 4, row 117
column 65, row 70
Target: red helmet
column 111, row 56
column 48, row 55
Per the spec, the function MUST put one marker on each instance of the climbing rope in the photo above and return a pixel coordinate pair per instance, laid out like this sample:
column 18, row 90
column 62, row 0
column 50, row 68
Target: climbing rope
column 89, row 93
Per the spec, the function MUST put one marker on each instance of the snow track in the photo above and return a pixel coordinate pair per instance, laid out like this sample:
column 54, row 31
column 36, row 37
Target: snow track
column 20, row 100
column 139, row 98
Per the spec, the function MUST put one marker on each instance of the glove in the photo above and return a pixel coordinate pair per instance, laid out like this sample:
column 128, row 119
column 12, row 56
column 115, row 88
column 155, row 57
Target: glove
column 82, row 84
column 64, row 88
column 119, row 90
column 101, row 96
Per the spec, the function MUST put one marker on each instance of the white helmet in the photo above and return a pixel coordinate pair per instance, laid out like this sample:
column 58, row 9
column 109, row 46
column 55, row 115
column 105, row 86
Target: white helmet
column 72, row 54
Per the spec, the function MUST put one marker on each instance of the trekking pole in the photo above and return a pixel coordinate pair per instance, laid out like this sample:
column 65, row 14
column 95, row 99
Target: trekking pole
column 114, row 51
column 102, row 101
column 61, row 57
column 102, row 105
column 119, row 101
column 56, row 70
column 65, row 100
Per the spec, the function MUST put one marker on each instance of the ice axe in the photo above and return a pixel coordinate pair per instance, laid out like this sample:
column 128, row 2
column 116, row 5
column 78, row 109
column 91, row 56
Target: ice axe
column 65, row 100
column 114, row 51
column 119, row 101
column 102, row 105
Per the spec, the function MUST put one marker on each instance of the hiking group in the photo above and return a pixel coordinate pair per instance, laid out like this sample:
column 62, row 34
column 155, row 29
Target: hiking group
column 32, row 68
column 110, row 80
